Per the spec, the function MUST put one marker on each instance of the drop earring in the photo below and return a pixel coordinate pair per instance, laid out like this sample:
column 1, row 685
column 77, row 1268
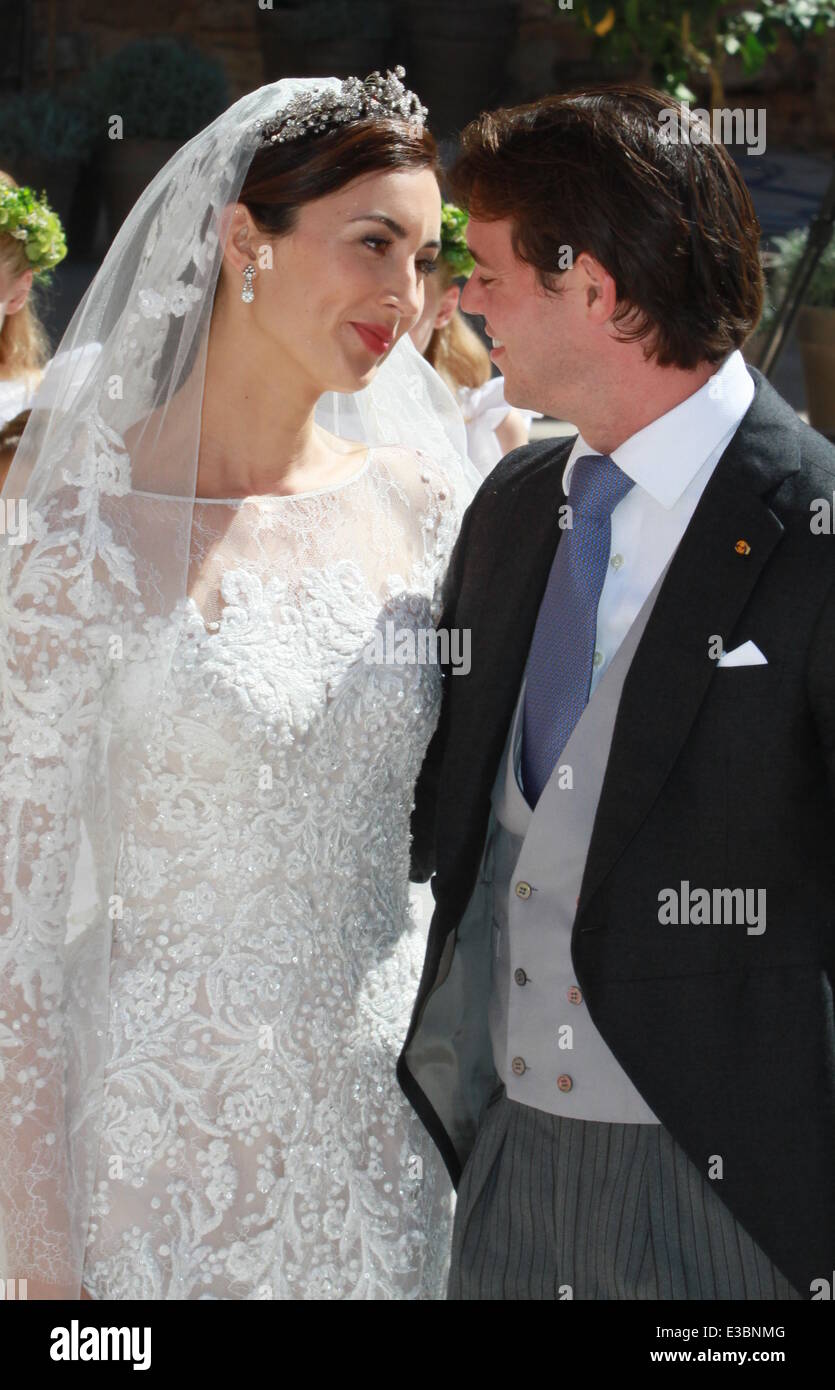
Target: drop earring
column 247, row 293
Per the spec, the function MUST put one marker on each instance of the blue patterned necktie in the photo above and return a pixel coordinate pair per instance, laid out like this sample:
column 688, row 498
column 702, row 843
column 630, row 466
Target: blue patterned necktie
column 559, row 666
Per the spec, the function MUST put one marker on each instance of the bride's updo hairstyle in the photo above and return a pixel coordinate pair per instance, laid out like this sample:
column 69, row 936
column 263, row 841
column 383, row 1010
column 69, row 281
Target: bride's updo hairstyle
column 284, row 176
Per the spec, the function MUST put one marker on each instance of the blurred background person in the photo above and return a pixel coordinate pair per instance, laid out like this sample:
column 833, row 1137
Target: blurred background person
column 452, row 346
column 31, row 243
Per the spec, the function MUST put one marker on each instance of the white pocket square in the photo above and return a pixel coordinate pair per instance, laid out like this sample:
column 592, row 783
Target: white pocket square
column 748, row 654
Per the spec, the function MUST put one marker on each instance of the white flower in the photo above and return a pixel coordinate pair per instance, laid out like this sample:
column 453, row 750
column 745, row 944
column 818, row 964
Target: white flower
column 113, row 474
column 151, row 304
column 84, row 477
column 180, row 296
column 176, row 300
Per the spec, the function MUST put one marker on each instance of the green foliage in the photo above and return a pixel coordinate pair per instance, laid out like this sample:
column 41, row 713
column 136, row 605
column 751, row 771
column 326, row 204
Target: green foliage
column 162, row 88
column 820, row 291
column 688, row 42
column 31, row 220
column 454, row 248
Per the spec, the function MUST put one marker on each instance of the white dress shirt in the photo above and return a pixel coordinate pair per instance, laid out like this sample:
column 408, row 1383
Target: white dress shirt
column 670, row 461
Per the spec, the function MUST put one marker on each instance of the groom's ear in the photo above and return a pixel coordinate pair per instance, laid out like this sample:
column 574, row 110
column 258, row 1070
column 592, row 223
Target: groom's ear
column 600, row 289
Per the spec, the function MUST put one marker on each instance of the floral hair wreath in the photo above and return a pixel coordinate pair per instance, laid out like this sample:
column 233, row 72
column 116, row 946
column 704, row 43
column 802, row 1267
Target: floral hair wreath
column 454, row 248
column 31, row 220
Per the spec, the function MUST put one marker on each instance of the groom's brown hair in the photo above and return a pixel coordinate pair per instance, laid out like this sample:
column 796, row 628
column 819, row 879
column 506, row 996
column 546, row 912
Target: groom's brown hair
column 670, row 219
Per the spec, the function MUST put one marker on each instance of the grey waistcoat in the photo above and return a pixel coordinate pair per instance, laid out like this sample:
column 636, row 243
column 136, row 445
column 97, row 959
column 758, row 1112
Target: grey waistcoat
column 546, row 1048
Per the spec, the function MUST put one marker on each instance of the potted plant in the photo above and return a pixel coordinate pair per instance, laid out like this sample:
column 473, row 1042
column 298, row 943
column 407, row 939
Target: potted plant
column 162, row 91
column 44, row 137
column 814, row 325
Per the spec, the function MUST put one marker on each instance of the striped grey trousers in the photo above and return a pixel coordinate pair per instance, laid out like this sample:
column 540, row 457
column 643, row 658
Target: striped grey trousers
column 553, row 1208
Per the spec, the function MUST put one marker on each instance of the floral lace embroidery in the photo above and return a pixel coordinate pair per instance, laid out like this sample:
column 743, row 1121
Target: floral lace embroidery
column 255, row 1141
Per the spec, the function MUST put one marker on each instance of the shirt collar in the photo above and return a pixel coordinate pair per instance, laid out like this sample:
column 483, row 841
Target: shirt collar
column 665, row 456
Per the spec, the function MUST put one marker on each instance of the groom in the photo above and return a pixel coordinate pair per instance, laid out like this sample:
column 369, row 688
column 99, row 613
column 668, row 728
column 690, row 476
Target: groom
column 623, row 1043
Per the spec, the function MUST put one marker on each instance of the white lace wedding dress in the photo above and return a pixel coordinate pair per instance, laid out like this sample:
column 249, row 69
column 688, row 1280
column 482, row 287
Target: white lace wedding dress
column 255, row 1142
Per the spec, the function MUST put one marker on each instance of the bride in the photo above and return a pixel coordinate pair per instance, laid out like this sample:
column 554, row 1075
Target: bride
column 258, row 473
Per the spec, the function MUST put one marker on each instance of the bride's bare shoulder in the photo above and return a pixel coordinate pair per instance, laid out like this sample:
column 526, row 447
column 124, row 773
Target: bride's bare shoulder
column 339, row 446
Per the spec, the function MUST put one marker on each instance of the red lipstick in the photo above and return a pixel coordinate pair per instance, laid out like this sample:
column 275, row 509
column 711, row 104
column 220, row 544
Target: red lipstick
column 378, row 337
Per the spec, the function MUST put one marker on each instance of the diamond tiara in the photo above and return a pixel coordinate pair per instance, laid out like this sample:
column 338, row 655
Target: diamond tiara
column 312, row 113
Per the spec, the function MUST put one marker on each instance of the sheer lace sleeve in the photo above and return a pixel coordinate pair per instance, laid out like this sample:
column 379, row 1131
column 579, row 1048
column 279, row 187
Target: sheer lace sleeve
column 50, row 713
column 440, row 508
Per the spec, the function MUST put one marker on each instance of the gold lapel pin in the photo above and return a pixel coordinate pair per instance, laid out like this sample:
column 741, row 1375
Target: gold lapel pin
column 742, row 548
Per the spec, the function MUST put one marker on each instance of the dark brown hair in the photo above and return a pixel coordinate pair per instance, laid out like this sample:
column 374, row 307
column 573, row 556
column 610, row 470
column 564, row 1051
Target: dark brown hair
column 670, row 219
column 283, row 177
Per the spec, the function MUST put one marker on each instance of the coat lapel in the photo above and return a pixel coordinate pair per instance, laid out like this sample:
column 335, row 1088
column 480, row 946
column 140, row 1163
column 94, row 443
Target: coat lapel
column 503, row 621
column 707, row 587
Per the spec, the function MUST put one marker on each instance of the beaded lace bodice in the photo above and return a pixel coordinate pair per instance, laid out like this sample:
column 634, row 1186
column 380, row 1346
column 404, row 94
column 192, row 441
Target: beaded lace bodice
column 255, row 1142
